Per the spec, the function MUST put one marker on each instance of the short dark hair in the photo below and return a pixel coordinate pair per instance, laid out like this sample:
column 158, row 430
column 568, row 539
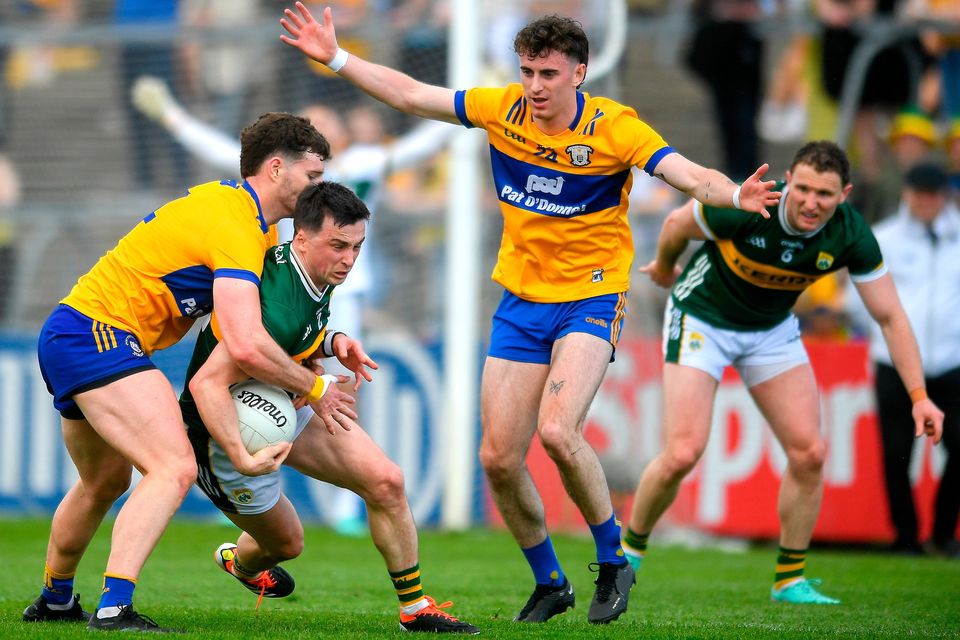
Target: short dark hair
column 553, row 33
column 281, row 134
column 824, row 156
column 328, row 199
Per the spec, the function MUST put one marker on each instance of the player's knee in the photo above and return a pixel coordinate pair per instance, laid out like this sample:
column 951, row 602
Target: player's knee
column 387, row 489
column 108, row 487
column 560, row 441
column 181, row 473
column 498, row 465
column 808, row 459
column 678, row 461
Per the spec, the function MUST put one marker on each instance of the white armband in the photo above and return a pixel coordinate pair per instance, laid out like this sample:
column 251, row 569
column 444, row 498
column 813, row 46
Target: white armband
column 327, row 346
column 736, row 198
column 338, row 60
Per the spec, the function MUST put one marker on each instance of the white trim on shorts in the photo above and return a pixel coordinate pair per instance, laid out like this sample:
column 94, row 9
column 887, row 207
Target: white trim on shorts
column 757, row 356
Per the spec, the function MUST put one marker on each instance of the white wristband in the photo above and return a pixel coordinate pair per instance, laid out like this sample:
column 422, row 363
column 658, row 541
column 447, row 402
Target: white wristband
column 327, row 346
column 338, row 60
column 736, row 198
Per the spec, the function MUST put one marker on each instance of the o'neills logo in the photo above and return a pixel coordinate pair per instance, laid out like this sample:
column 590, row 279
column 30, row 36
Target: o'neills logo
column 261, row 404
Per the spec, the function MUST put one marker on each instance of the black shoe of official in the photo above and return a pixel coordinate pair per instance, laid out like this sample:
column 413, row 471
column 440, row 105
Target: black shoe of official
column 40, row 611
column 613, row 589
column 547, row 601
column 127, row 620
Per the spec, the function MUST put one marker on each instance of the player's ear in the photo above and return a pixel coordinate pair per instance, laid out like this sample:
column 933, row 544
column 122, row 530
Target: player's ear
column 845, row 192
column 579, row 75
column 275, row 166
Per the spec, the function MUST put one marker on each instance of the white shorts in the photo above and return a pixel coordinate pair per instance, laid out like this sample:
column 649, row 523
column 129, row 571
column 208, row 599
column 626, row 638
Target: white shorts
column 757, row 355
column 234, row 492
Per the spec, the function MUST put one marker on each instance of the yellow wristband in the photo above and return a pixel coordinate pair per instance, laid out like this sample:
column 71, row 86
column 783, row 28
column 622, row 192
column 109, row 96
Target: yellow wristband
column 319, row 386
column 918, row 394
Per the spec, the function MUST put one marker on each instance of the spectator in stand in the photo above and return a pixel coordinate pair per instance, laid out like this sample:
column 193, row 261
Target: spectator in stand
column 920, row 247
column 727, row 55
column 912, row 137
column 886, row 89
column 148, row 142
column 223, row 70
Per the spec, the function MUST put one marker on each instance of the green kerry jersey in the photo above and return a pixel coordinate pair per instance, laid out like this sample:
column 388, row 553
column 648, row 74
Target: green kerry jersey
column 751, row 270
column 294, row 310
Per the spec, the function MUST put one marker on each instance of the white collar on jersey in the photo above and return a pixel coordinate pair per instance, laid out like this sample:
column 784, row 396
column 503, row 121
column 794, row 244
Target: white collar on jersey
column 308, row 284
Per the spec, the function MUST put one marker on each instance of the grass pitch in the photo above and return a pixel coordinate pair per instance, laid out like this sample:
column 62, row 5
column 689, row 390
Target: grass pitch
column 343, row 590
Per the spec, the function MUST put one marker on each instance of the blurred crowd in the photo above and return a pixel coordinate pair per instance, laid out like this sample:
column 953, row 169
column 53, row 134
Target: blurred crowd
column 772, row 72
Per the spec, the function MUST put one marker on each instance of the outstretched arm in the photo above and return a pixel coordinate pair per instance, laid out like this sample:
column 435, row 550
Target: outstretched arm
column 419, row 145
column 678, row 230
column 711, row 187
column 319, row 41
column 881, row 299
column 152, row 97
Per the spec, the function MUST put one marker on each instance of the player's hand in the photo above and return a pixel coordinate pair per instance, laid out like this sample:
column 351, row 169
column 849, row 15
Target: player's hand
column 313, row 39
column 335, row 410
column 756, row 194
column 927, row 420
column 267, row 460
column 351, row 355
column 659, row 276
column 332, row 381
column 151, row 96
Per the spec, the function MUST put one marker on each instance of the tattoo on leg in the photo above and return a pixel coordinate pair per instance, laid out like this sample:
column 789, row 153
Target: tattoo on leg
column 555, row 387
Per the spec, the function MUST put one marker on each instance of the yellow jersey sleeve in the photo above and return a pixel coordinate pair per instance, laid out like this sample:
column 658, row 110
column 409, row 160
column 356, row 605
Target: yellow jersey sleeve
column 159, row 277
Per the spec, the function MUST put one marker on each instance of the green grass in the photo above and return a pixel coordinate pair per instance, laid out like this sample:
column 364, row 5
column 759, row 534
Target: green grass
column 343, row 590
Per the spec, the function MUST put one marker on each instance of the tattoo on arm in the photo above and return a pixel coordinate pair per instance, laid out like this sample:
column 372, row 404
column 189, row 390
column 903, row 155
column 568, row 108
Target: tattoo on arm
column 555, row 387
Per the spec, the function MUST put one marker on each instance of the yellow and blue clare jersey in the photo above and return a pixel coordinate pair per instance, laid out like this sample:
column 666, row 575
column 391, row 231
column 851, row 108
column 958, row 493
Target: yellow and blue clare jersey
column 564, row 197
column 159, row 277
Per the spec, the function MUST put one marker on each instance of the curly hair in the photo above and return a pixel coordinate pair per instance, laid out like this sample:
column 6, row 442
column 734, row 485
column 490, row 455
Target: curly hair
column 553, row 33
column 281, row 134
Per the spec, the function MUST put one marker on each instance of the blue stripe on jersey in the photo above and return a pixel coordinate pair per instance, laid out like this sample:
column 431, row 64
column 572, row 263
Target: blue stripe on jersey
column 591, row 126
column 192, row 288
column 517, row 112
column 460, row 106
column 554, row 193
column 150, row 216
column 239, row 274
column 253, row 194
column 580, row 102
column 655, row 159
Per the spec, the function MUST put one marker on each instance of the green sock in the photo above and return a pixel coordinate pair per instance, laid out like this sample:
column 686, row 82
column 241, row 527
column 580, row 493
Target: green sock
column 790, row 566
column 635, row 547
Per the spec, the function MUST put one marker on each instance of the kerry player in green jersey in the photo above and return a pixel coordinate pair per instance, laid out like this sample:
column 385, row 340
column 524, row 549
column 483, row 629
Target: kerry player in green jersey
column 731, row 305
column 298, row 280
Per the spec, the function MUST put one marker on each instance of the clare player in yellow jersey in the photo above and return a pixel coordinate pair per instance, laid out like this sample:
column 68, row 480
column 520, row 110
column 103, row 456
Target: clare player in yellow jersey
column 197, row 253
column 561, row 164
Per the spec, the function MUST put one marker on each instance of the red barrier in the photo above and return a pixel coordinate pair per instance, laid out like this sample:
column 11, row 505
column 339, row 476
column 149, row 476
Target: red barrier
column 733, row 490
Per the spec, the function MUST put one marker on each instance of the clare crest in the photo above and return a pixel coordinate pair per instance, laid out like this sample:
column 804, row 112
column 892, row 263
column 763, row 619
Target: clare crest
column 579, row 154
